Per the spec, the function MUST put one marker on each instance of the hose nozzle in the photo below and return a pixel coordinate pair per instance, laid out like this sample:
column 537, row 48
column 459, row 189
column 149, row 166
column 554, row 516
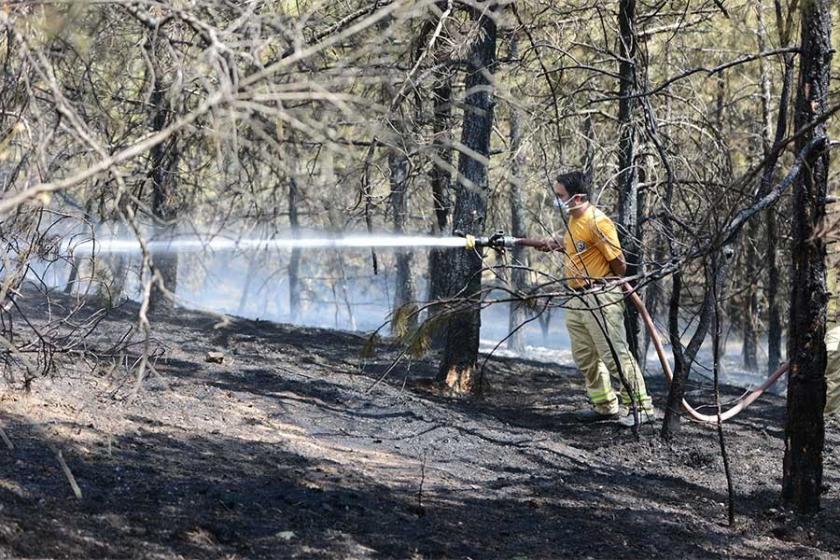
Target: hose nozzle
column 496, row 241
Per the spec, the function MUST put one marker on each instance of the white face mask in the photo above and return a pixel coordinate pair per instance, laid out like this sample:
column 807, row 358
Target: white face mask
column 566, row 206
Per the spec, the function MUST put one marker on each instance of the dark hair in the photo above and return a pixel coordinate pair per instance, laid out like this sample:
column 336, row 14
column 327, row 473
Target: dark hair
column 576, row 182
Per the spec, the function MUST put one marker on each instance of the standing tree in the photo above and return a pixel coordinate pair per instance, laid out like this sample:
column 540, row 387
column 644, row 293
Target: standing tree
column 457, row 370
column 628, row 186
column 804, row 433
column 399, row 165
column 772, row 150
column 519, row 259
column 163, row 175
column 294, row 258
column 749, row 349
column 440, row 178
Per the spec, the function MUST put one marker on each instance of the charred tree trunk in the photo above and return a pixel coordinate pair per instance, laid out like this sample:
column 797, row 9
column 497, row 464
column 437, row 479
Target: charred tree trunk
column 518, row 275
column 164, row 209
column 774, row 320
column 119, row 264
column 804, row 433
column 164, row 163
column 673, row 405
column 73, row 277
column 774, row 315
column 749, row 349
column 404, row 294
column 440, row 178
column 440, row 175
column 749, row 354
column 589, row 154
column 294, row 259
column 545, row 323
column 749, row 311
column 628, row 186
column 458, row 368
column 653, row 291
column 684, row 357
column 671, row 421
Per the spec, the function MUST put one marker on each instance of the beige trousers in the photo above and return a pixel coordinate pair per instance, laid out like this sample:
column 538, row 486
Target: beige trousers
column 832, row 370
column 587, row 317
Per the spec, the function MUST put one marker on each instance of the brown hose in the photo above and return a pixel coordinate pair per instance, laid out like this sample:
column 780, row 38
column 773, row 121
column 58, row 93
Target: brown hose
column 669, row 375
column 527, row 242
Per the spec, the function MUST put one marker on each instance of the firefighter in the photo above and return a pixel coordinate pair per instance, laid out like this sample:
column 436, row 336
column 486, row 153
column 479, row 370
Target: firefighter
column 595, row 317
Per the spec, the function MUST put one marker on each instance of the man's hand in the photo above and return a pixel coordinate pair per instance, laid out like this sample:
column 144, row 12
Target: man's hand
column 549, row 246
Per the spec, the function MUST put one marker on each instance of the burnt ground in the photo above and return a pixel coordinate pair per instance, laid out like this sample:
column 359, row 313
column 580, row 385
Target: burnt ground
column 282, row 451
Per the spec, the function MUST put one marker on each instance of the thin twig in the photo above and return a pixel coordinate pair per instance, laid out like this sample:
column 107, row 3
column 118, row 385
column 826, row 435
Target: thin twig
column 6, row 440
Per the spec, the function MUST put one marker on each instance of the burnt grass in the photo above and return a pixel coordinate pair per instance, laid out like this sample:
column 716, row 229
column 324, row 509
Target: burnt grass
column 288, row 449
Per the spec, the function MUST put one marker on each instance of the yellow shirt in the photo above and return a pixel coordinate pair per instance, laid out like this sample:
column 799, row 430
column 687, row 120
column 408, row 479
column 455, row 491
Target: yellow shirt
column 591, row 242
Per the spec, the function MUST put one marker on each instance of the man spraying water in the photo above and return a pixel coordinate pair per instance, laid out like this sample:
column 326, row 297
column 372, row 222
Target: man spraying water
column 595, row 317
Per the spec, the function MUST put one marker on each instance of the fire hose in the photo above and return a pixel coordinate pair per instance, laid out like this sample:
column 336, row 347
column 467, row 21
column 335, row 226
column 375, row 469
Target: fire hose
column 743, row 403
column 501, row 241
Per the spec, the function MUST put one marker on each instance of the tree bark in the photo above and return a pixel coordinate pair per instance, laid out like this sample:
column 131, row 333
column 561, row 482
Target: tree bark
column 774, row 315
column 440, row 177
column 804, row 432
column 749, row 349
column 628, row 187
column 653, row 291
column 458, row 368
column 774, row 320
column 164, row 163
column 294, row 258
column 119, row 264
column 519, row 260
column 73, row 277
column 404, row 293
column 684, row 357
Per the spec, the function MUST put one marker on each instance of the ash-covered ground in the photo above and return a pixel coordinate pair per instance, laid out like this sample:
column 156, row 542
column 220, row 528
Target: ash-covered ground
column 287, row 450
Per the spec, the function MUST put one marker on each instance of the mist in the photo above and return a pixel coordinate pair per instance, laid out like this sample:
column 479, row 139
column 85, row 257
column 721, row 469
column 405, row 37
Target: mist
column 248, row 277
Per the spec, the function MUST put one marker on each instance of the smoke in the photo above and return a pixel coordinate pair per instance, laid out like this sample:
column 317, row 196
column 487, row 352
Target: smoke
column 248, row 277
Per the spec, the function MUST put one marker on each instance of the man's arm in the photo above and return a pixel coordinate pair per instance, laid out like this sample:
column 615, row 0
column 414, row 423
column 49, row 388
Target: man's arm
column 618, row 266
column 549, row 246
column 608, row 244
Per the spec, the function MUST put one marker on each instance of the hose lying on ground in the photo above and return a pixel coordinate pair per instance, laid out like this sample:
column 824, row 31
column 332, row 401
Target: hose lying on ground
column 669, row 375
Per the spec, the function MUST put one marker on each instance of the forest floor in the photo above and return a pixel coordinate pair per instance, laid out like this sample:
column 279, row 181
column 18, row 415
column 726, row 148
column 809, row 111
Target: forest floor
column 285, row 451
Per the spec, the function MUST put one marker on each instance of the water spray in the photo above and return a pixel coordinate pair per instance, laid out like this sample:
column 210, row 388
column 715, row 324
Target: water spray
column 498, row 241
column 122, row 246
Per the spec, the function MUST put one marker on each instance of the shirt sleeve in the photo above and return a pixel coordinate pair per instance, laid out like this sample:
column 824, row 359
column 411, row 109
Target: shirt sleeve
column 606, row 238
